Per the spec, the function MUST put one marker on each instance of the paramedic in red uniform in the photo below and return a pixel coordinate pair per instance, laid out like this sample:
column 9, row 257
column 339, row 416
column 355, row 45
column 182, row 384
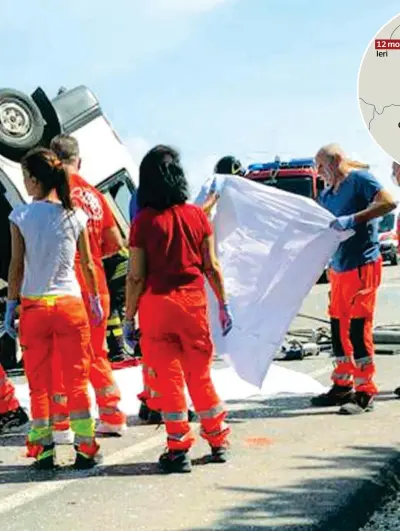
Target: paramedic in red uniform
column 45, row 235
column 357, row 199
column 172, row 249
column 103, row 234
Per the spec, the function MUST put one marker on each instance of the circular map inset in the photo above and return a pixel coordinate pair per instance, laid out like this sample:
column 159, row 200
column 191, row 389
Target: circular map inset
column 379, row 88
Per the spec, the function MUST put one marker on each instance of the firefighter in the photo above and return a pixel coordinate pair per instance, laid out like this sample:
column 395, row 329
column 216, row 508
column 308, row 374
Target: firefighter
column 228, row 165
column 357, row 199
column 103, row 235
column 45, row 235
column 115, row 268
column 171, row 248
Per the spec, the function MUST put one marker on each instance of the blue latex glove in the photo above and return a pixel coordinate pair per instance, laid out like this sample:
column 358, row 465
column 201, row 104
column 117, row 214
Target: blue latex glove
column 343, row 223
column 9, row 319
column 129, row 334
column 225, row 319
column 96, row 309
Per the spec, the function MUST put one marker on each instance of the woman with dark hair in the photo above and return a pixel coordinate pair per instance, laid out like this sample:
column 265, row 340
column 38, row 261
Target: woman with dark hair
column 45, row 235
column 171, row 250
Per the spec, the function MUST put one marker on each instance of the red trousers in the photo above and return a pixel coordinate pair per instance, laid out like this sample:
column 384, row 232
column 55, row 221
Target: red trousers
column 177, row 350
column 8, row 400
column 41, row 322
column 352, row 307
column 100, row 376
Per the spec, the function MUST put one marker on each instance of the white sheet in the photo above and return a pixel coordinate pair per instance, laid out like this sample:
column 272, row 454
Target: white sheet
column 273, row 246
column 228, row 385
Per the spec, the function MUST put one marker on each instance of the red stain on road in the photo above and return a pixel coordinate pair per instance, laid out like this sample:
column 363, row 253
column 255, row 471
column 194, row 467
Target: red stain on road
column 258, row 441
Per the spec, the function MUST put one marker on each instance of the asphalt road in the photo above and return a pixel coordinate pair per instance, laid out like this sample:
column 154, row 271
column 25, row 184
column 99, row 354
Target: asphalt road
column 290, row 464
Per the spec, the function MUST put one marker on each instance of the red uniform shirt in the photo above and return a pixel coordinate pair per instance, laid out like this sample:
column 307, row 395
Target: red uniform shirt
column 94, row 204
column 172, row 243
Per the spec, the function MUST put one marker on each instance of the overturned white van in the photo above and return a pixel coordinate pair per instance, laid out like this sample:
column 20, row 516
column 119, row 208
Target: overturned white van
column 29, row 121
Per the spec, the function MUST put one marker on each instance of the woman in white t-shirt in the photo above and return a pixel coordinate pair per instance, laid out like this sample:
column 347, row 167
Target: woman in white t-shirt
column 45, row 236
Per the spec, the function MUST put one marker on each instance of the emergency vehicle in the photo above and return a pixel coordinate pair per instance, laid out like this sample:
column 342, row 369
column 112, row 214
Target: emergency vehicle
column 27, row 121
column 298, row 176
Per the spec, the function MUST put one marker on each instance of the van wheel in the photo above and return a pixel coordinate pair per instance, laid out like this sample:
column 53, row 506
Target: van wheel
column 21, row 124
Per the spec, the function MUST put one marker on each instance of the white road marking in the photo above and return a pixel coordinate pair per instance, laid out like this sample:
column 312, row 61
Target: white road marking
column 23, row 497
column 39, row 490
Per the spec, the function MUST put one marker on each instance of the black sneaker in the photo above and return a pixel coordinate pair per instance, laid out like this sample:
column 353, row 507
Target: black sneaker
column 336, row 396
column 12, row 420
column 361, row 403
column 45, row 461
column 397, row 392
column 83, row 462
column 144, row 412
column 149, row 415
column 155, row 417
column 219, row 454
column 175, row 462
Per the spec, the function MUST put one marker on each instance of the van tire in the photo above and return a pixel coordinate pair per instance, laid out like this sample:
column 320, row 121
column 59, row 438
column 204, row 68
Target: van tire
column 21, row 124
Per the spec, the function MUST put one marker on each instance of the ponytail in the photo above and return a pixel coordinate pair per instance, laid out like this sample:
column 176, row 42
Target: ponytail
column 44, row 165
column 357, row 165
column 61, row 185
column 333, row 150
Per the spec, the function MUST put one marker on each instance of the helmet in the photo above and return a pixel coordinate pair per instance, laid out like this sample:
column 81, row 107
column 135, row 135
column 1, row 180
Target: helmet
column 229, row 165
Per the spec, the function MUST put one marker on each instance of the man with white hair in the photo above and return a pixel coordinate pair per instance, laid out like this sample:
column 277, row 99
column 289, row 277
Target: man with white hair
column 357, row 199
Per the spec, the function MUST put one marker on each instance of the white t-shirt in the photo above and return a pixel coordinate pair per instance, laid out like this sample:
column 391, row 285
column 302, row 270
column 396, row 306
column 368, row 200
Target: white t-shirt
column 50, row 233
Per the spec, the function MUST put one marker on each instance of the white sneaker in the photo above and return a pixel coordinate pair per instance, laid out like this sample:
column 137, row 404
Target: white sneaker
column 103, row 428
column 63, row 437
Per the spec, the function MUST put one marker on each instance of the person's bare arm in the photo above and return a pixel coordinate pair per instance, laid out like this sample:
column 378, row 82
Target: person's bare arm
column 16, row 268
column 212, row 269
column 209, row 203
column 383, row 204
column 135, row 281
column 86, row 261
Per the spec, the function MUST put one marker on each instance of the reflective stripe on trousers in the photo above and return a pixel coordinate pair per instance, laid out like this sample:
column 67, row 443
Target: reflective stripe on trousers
column 100, row 375
column 65, row 319
column 177, row 350
column 352, row 307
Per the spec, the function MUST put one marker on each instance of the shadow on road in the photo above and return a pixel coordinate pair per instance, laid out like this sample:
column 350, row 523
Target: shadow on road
column 292, row 507
column 286, row 406
column 307, row 505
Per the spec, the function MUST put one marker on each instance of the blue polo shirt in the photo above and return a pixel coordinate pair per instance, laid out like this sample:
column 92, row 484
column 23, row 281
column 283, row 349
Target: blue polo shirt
column 355, row 193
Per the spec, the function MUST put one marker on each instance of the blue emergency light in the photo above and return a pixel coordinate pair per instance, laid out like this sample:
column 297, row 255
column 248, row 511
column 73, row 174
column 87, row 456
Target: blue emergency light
column 277, row 164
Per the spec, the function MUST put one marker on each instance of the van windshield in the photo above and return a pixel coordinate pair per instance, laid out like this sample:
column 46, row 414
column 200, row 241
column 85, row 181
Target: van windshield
column 387, row 223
